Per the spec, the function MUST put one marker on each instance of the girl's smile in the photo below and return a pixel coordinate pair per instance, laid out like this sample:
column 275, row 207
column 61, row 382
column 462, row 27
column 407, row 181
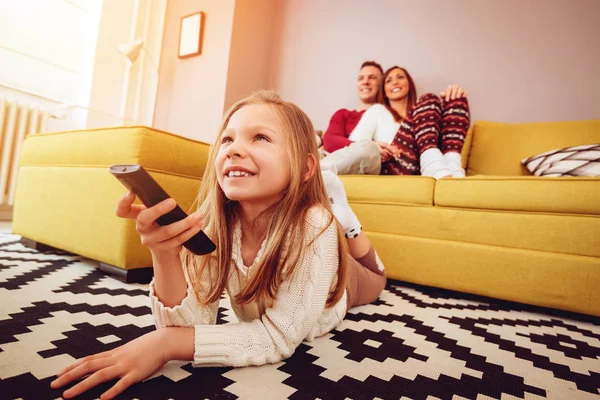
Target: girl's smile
column 253, row 161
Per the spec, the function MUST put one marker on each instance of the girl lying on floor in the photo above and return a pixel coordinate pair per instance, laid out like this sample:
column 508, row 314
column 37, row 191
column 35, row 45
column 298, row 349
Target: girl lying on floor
column 291, row 271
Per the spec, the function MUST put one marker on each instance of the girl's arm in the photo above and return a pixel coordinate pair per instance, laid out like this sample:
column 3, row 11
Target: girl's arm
column 172, row 300
column 188, row 311
column 299, row 304
column 179, row 343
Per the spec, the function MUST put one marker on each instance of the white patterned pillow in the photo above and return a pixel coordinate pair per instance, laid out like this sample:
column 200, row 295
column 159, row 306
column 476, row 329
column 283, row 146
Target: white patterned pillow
column 570, row 161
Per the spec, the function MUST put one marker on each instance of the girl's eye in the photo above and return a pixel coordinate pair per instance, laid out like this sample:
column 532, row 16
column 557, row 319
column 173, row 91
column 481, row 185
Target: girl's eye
column 226, row 139
column 262, row 137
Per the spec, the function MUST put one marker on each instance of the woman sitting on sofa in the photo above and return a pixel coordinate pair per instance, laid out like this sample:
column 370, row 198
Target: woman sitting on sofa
column 426, row 135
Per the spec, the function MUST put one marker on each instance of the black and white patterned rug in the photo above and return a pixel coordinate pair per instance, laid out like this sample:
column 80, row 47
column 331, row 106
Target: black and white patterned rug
column 413, row 343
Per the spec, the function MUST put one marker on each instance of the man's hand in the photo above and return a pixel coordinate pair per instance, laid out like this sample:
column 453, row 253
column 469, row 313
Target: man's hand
column 453, row 92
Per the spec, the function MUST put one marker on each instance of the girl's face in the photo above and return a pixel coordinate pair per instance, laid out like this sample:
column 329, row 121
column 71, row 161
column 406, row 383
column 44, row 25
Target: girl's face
column 396, row 85
column 253, row 161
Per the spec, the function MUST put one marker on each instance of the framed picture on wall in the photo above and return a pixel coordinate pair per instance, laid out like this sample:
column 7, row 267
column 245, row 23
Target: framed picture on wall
column 190, row 35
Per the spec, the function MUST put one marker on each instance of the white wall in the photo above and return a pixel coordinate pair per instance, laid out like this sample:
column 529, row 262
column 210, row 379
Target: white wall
column 191, row 91
column 122, row 22
column 47, row 49
column 57, row 52
column 521, row 60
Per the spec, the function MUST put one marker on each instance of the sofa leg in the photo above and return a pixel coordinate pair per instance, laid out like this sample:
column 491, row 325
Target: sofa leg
column 41, row 247
column 138, row 275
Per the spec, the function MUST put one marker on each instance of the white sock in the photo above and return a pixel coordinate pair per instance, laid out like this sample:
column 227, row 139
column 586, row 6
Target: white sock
column 433, row 164
column 339, row 204
column 328, row 166
column 454, row 162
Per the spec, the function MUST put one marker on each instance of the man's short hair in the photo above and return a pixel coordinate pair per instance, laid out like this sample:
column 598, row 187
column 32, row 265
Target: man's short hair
column 372, row 64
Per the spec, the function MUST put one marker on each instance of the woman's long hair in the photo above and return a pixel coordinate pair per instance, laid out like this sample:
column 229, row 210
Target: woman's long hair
column 285, row 232
column 412, row 94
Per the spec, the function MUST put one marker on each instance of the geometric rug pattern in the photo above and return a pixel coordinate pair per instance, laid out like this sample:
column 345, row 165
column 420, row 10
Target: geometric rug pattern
column 413, row 343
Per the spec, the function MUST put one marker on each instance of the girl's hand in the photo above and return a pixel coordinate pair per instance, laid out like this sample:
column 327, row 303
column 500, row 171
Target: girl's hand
column 132, row 362
column 163, row 241
column 453, row 92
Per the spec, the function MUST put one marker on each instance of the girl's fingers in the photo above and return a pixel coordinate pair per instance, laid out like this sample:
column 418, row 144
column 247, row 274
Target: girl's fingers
column 102, row 375
column 83, row 369
column 118, row 387
column 82, row 360
column 183, row 236
column 126, row 208
column 173, row 230
column 177, row 228
column 448, row 92
column 147, row 217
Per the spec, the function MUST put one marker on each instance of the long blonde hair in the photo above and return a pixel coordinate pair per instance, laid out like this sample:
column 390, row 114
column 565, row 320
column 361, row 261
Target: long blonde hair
column 286, row 216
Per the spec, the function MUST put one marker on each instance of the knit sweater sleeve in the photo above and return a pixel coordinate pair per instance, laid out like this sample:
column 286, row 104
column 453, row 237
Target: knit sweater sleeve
column 299, row 303
column 189, row 312
column 366, row 129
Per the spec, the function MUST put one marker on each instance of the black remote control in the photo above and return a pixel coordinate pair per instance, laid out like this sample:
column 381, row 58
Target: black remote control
column 135, row 178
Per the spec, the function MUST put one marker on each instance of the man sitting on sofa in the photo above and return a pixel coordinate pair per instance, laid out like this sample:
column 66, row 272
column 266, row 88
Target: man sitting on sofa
column 359, row 141
column 364, row 159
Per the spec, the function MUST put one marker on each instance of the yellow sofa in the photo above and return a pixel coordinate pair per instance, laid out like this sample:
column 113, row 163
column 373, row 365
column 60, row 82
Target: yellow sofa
column 66, row 196
column 496, row 233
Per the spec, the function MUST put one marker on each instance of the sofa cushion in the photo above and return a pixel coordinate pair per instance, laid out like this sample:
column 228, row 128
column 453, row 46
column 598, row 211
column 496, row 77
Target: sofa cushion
column 498, row 148
column 572, row 195
column 570, row 161
column 412, row 190
column 120, row 145
column 573, row 234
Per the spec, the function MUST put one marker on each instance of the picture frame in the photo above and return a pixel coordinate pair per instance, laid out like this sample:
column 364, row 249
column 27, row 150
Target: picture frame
column 191, row 32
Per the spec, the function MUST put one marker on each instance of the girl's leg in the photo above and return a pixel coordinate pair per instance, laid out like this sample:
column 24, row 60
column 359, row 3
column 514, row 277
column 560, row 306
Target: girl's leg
column 426, row 120
column 364, row 285
column 455, row 123
column 366, row 272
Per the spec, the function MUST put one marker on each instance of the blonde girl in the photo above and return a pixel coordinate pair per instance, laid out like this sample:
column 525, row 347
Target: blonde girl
column 290, row 269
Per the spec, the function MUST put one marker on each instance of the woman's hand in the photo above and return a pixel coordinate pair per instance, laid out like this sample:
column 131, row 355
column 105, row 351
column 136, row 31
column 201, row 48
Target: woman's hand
column 132, row 362
column 453, row 92
column 386, row 151
column 163, row 241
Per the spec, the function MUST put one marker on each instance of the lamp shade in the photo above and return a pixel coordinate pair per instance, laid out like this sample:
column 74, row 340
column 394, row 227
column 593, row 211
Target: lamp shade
column 131, row 50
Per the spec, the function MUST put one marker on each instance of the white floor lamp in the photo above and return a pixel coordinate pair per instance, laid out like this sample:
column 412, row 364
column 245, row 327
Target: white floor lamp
column 131, row 53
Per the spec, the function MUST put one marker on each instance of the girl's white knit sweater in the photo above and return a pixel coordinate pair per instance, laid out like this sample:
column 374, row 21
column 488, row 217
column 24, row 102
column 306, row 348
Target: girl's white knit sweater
column 266, row 333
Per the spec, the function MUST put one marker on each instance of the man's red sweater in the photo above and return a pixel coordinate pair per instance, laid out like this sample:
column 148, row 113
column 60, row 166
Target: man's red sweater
column 340, row 127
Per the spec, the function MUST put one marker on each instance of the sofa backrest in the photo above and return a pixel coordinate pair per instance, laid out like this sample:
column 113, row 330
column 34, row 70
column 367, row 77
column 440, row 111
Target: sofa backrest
column 498, row 148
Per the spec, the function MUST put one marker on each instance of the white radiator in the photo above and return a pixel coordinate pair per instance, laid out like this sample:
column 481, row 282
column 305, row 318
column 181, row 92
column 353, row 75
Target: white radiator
column 17, row 121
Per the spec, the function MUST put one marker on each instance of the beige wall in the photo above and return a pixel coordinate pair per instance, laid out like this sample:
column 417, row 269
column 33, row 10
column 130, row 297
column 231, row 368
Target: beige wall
column 521, row 60
column 191, row 91
column 251, row 47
